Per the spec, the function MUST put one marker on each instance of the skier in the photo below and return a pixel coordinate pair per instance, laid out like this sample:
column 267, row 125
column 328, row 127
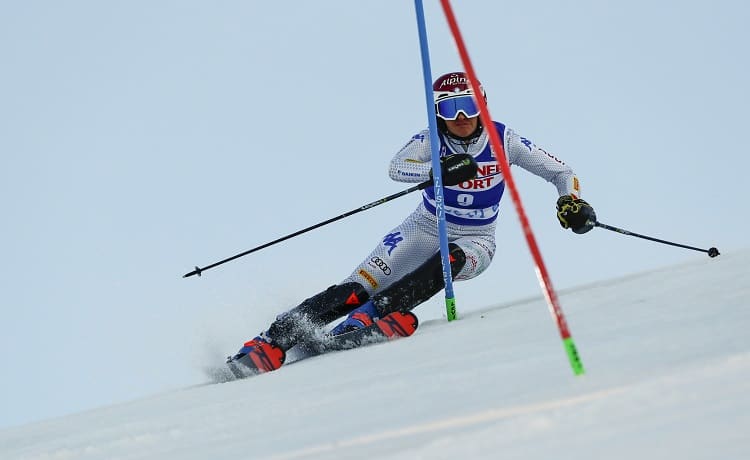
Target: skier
column 405, row 267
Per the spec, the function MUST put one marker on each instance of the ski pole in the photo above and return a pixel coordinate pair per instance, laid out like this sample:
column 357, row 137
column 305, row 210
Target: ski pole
column 421, row 186
column 712, row 252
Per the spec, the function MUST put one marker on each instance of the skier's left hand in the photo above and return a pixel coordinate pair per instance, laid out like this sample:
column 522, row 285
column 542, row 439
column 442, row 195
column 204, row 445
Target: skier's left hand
column 575, row 214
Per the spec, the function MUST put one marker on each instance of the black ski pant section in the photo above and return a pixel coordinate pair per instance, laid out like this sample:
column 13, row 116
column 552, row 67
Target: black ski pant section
column 315, row 312
column 419, row 285
column 413, row 289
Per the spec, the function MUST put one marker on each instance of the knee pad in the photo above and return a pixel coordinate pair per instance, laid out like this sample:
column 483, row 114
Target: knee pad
column 457, row 258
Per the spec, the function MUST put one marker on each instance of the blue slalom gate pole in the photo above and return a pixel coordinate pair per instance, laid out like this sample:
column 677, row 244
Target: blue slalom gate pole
column 450, row 298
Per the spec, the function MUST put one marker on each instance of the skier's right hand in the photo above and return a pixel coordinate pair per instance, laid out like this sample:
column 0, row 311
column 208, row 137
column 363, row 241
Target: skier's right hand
column 457, row 168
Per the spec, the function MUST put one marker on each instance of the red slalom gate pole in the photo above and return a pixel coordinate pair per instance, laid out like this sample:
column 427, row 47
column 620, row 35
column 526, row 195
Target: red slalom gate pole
column 502, row 160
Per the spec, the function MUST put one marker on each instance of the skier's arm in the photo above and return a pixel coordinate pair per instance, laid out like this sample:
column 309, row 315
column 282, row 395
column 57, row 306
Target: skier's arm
column 572, row 211
column 527, row 155
column 412, row 162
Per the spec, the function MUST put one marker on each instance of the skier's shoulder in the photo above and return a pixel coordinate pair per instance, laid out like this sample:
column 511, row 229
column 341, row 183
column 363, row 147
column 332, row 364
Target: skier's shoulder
column 422, row 135
column 417, row 140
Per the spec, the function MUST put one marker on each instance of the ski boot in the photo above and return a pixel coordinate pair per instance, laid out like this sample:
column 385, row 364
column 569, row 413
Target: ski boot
column 359, row 318
column 256, row 356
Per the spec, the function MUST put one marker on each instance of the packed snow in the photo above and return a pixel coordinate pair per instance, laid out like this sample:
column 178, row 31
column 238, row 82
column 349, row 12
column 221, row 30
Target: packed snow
column 667, row 361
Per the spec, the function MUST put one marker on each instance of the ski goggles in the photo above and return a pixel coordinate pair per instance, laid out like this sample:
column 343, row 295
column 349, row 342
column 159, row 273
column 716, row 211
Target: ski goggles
column 449, row 108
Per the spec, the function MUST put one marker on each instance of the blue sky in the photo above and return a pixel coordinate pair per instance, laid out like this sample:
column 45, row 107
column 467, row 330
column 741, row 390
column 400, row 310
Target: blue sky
column 140, row 139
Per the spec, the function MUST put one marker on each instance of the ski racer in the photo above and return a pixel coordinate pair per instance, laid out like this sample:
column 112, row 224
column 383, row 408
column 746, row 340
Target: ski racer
column 404, row 270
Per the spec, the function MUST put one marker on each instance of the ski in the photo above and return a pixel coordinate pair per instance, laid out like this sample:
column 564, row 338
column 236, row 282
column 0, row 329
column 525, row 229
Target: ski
column 392, row 326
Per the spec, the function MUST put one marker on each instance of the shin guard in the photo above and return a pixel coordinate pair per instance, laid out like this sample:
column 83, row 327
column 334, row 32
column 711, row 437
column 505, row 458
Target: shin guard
column 315, row 312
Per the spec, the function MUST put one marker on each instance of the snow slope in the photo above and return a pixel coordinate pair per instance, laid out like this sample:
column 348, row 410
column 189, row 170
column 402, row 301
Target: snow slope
column 668, row 376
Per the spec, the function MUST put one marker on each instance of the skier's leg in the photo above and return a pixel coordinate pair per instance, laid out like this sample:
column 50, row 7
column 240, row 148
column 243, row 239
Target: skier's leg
column 396, row 267
column 406, row 293
column 399, row 252
column 419, row 285
column 469, row 257
column 317, row 311
column 267, row 351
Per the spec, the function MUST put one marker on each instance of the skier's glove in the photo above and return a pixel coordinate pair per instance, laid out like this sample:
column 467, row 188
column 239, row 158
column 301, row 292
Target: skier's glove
column 457, row 168
column 575, row 214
